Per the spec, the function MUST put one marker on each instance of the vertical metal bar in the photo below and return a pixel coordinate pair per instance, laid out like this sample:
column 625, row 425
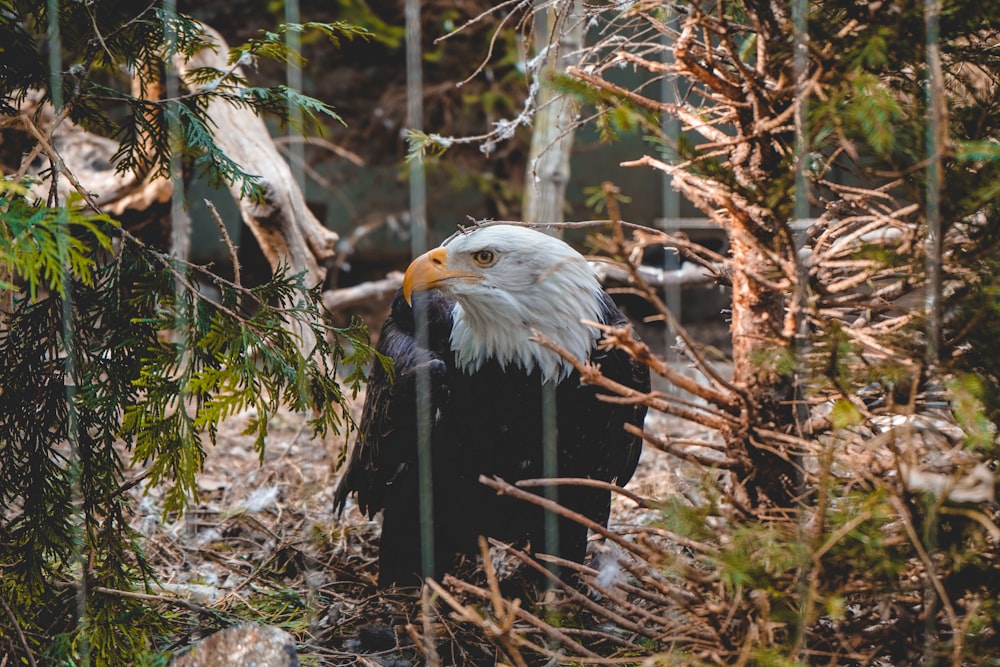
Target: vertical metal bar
column 550, row 466
column 54, row 39
column 415, row 121
column 294, row 80
column 180, row 223
column 545, row 204
column 932, row 246
column 935, row 121
column 79, row 557
column 800, row 69
column 671, row 198
column 418, row 245
column 180, row 236
column 800, row 66
column 801, row 341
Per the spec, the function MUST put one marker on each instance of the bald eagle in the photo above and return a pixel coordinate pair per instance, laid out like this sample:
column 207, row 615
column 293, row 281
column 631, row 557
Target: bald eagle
column 483, row 294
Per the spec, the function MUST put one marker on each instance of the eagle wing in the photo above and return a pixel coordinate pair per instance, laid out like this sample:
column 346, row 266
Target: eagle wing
column 616, row 364
column 385, row 449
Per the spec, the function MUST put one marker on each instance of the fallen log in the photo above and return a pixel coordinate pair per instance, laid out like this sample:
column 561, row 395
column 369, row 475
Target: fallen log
column 286, row 230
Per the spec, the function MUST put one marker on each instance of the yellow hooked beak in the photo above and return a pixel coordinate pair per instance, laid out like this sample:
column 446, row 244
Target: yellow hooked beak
column 428, row 271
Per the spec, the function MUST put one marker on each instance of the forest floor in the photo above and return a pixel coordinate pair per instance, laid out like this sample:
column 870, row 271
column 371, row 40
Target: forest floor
column 262, row 544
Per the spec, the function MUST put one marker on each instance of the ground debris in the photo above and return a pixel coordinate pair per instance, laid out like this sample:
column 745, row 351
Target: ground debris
column 264, row 542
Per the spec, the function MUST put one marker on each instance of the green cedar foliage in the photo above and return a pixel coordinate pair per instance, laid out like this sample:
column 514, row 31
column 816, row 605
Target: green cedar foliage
column 39, row 245
column 100, row 42
column 128, row 362
column 114, row 355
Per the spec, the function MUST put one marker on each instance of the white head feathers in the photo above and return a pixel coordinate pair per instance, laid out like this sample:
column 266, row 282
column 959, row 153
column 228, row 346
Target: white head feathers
column 508, row 282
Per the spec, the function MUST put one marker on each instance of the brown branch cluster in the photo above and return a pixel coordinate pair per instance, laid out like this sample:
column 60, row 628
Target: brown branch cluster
column 663, row 610
column 650, row 586
column 857, row 467
column 738, row 117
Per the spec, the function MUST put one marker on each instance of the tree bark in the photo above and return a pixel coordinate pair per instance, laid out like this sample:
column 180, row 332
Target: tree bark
column 286, row 230
column 559, row 38
column 770, row 479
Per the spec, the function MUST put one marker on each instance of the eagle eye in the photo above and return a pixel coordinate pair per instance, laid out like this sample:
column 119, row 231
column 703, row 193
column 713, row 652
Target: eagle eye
column 484, row 257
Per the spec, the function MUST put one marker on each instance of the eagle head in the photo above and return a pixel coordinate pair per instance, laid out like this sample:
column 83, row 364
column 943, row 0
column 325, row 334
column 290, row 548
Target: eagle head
column 508, row 281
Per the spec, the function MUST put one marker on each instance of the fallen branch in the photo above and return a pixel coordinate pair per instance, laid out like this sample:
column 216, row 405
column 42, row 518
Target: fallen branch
column 356, row 295
column 645, row 503
column 507, row 489
column 286, row 230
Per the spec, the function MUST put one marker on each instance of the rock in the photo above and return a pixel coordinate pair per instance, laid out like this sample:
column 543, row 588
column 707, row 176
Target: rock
column 244, row 645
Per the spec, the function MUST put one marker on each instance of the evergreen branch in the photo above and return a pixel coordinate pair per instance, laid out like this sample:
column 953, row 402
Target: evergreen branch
column 39, row 245
column 146, row 147
column 20, row 633
column 55, row 159
column 274, row 45
column 147, row 597
column 157, row 363
column 279, row 101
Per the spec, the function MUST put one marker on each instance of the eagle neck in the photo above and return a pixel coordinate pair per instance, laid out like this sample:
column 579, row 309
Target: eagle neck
column 503, row 331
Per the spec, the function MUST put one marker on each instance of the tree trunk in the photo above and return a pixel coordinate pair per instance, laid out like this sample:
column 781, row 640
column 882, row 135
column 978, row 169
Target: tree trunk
column 759, row 340
column 733, row 166
column 560, row 38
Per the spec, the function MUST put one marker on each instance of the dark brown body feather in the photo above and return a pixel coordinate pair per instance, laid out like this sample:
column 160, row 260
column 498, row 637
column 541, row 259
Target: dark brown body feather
column 488, row 422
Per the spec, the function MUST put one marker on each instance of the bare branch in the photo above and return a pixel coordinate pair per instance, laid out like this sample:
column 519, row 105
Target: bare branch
column 508, row 489
column 590, row 374
column 664, row 444
column 587, row 481
column 530, row 618
column 233, row 257
column 376, row 290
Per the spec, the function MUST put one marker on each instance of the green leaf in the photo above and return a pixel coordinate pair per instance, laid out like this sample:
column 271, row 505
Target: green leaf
column 845, row 414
